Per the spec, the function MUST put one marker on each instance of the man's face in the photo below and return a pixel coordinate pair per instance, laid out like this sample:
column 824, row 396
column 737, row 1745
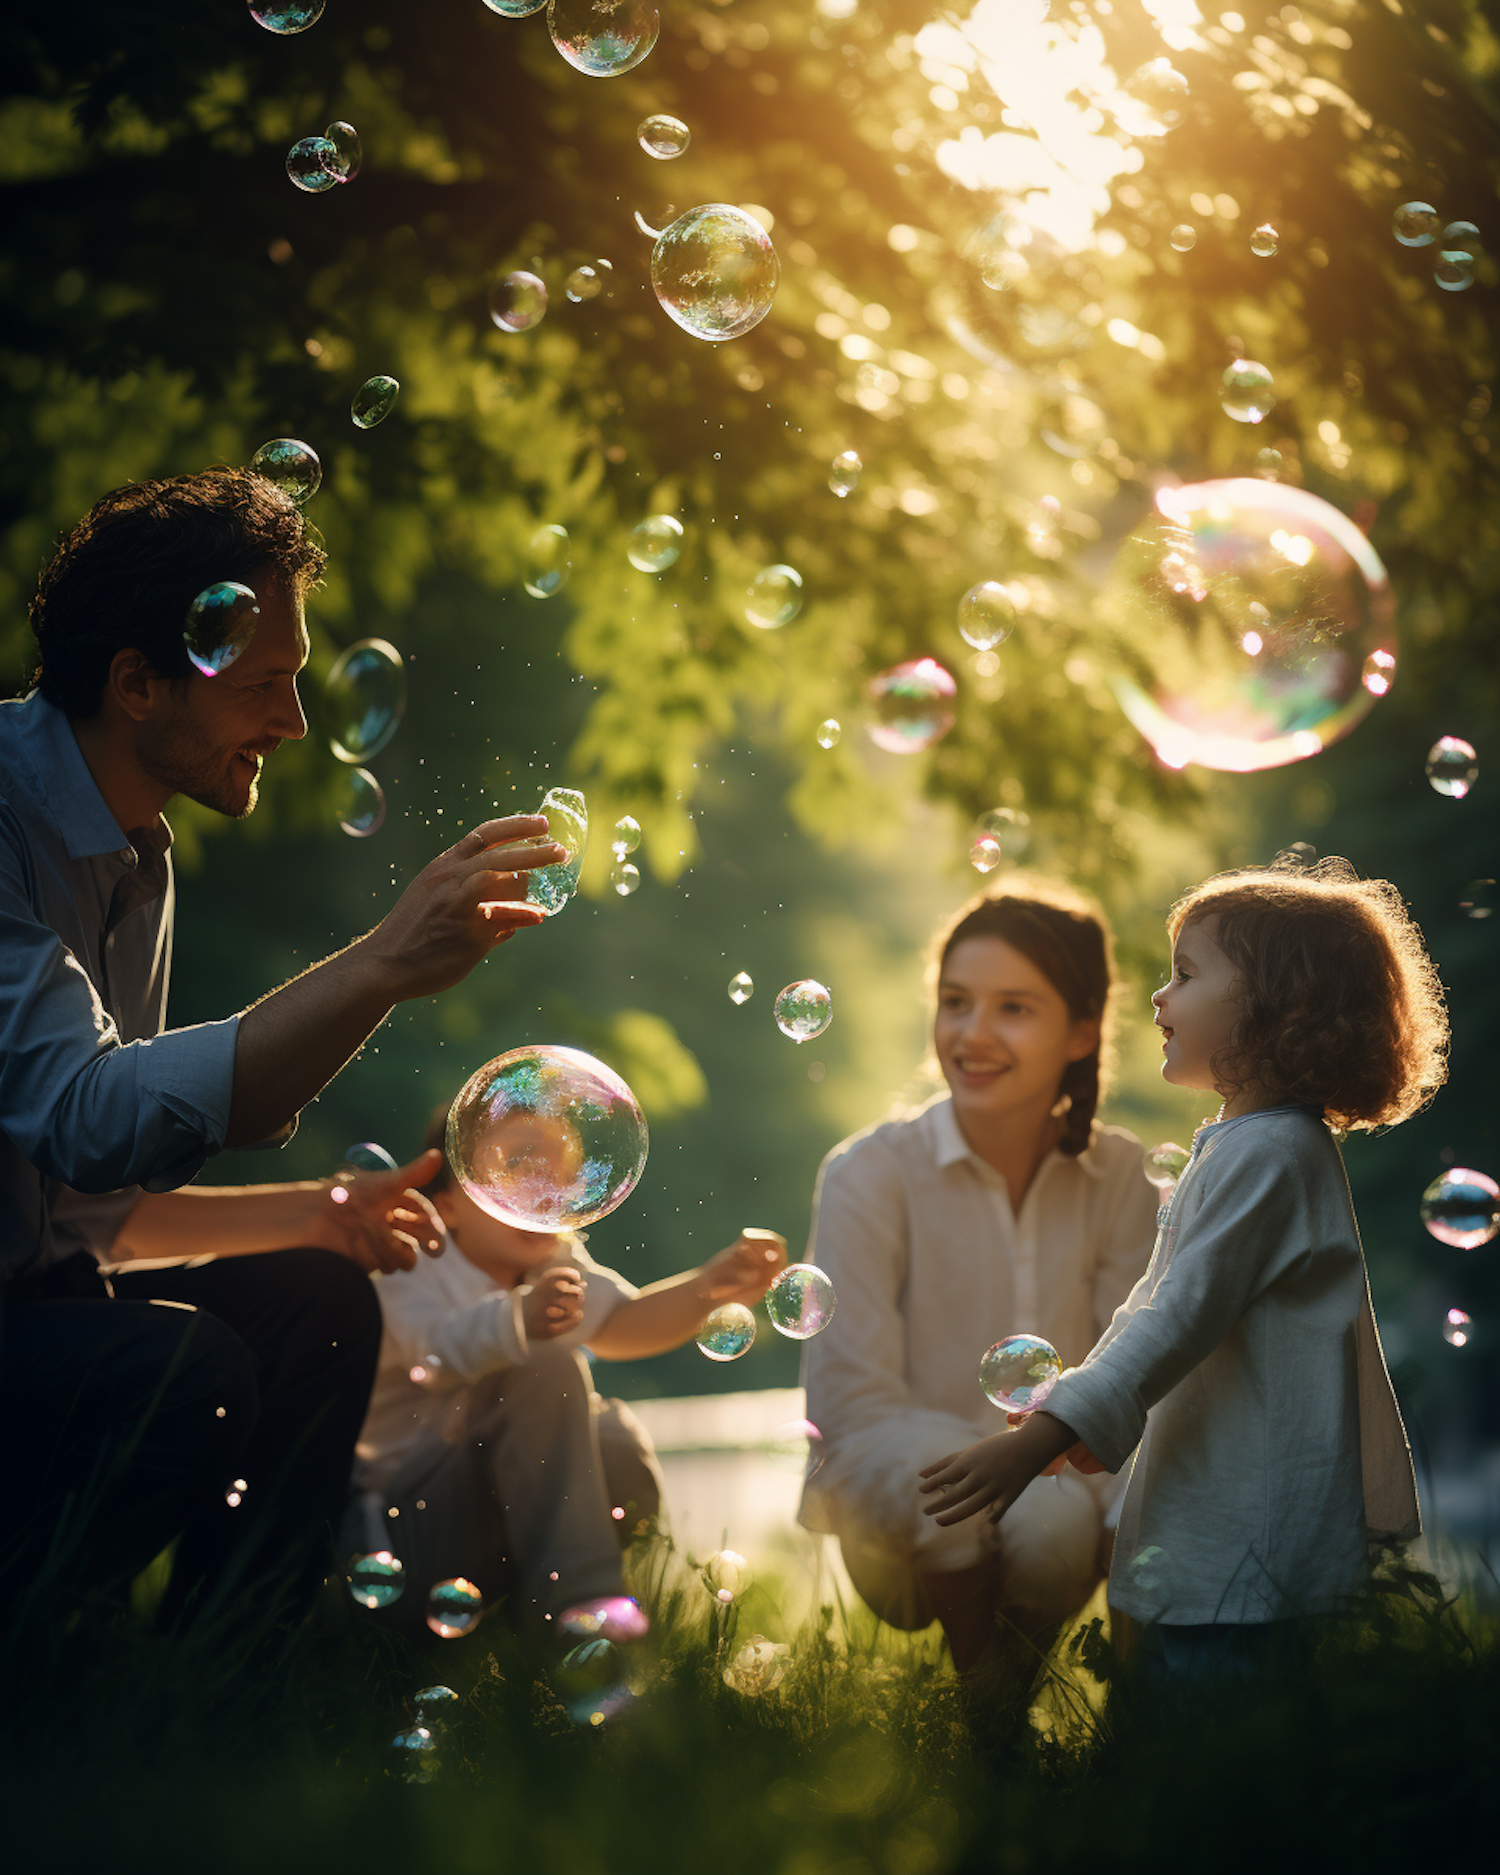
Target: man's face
column 208, row 736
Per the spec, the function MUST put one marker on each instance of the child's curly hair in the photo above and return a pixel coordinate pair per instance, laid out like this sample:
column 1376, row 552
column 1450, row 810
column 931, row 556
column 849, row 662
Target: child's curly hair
column 1342, row 1007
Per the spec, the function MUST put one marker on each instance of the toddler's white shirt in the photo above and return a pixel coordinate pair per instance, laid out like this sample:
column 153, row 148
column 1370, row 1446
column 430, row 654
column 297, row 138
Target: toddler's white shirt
column 1246, row 1368
column 448, row 1309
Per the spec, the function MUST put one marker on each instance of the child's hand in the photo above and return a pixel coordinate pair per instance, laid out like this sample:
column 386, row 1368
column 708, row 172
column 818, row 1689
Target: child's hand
column 1077, row 1455
column 554, row 1303
column 746, row 1269
column 993, row 1474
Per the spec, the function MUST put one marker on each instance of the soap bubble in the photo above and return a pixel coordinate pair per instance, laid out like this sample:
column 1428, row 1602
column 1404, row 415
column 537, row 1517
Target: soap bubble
column 367, row 1156
column 590, row 1679
column 741, row 988
column 549, row 561
column 986, row 615
column 727, row 1332
column 715, row 271
column 654, row 229
column 1163, row 92
column 797, row 1445
column 829, row 732
column 374, row 401
column 291, row 466
column 726, row 1575
column 1463, row 234
column 664, row 137
column 1249, row 393
column 1454, row 269
column 515, row 9
column 1462, row 1208
column 1416, row 224
column 844, row 474
column 1264, row 241
column 435, row 1705
column 1184, row 237
column 1166, row 1164
column 568, row 824
column 1010, row 826
column 625, row 878
column 1457, row 1327
column 1269, row 463
column 913, row 705
column 804, row 1009
column 1452, row 766
column 626, row 836
column 313, row 164
column 376, row 1580
column 453, row 1607
column 1479, row 899
column 757, row 1667
column 984, row 854
column 1258, row 649
column 518, row 302
column 774, row 597
column 359, row 803
column 603, row 38
column 286, row 16
column 348, row 151
column 547, row 1138
column 618, row 1618
column 220, row 624
column 1019, row 1372
column 364, row 699
column 800, row 1303
column 655, row 543
column 583, row 283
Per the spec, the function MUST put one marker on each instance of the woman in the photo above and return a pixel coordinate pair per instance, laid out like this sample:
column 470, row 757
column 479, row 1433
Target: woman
column 998, row 1208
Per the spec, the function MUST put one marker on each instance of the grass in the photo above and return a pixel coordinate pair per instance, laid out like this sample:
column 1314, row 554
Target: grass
column 242, row 1751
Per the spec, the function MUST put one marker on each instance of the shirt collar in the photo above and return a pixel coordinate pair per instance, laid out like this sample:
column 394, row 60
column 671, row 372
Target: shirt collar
column 88, row 828
column 950, row 1146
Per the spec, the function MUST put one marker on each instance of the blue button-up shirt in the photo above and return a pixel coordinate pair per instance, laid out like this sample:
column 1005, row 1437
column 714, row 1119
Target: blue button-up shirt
column 97, row 1104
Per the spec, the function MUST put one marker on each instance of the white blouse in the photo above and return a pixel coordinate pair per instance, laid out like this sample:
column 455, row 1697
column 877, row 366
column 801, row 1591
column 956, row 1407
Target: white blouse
column 1246, row 1368
column 931, row 1265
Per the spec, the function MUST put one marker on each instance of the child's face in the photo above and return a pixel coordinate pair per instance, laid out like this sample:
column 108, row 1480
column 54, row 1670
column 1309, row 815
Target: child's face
column 1198, row 1008
column 1003, row 1035
column 500, row 1250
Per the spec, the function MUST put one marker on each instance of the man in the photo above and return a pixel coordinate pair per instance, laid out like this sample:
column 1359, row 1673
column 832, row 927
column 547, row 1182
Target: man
column 216, row 1395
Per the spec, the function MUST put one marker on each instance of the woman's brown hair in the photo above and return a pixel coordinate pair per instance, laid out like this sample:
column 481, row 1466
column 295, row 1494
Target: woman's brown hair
column 1341, row 1006
column 1065, row 935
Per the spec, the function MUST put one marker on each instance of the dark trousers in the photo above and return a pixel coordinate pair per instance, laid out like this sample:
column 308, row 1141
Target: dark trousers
column 216, row 1405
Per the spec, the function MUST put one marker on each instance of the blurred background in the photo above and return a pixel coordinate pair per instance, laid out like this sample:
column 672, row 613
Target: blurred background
column 984, row 295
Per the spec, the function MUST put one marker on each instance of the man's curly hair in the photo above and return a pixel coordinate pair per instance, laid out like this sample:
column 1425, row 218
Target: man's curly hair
column 127, row 573
column 1341, row 1006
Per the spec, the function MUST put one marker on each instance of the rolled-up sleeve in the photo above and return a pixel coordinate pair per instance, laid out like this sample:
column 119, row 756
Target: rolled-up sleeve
column 80, row 1104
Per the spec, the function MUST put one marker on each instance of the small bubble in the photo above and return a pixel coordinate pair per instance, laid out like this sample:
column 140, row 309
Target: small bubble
column 1264, row 241
column 1453, row 270
column 602, row 38
column 626, row 836
column 986, row 615
column 1249, row 394
column 291, row 466
column 1165, row 1164
column 774, row 597
column 1184, row 237
column 741, row 988
column 984, row 854
column 1457, row 1327
column 727, row 1574
column 844, row 474
column 359, row 803
column 1416, row 224
column 515, row 9
column 1163, row 90
column 364, row 699
column 374, row 401
column 1452, row 766
column 376, row 1580
column 453, row 1608
column 1019, row 1372
column 727, row 1332
column 313, row 164
column 804, row 1009
column 549, row 561
column 625, row 878
column 829, row 731
column 1462, row 1208
column 663, row 137
column 1010, row 826
column 913, row 706
column 715, row 271
column 518, row 302
column 655, row 543
column 348, row 151
column 801, row 1301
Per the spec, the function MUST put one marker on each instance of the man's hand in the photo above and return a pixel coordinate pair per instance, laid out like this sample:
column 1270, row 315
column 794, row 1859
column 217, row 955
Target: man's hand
column 990, row 1476
column 554, row 1304
column 379, row 1220
column 460, row 906
column 746, row 1269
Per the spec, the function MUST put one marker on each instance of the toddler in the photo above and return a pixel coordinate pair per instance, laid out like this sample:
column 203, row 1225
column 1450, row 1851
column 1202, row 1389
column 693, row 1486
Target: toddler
column 1244, row 1370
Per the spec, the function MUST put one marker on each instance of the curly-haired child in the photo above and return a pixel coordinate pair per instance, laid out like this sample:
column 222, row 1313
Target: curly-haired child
column 1244, row 1370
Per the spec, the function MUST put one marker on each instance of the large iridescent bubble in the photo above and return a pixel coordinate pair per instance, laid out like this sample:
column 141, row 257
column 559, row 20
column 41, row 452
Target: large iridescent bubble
column 364, row 699
column 1462, row 1208
column 603, row 38
column 547, row 1138
column 715, row 271
column 1262, row 618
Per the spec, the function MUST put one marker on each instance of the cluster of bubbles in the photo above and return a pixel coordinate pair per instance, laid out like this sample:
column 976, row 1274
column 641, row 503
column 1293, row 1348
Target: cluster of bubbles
column 1019, row 1372
column 804, row 1009
column 547, row 1138
column 317, row 164
column 624, row 875
column 799, row 1305
column 1462, row 1208
column 913, row 706
column 1452, row 766
column 1418, row 224
column 1269, row 622
column 774, row 597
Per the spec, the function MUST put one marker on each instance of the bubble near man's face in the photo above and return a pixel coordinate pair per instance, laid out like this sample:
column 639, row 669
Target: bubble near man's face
column 289, row 465
column 364, row 699
column 221, row 622
column 359, row 803
column 1257, row 610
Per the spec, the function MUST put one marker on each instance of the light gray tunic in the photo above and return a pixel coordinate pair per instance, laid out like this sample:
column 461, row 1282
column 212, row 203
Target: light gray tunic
column 1246, row 1368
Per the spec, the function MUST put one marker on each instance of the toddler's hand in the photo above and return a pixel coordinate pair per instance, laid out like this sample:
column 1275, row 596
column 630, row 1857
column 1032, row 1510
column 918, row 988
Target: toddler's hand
column 746, row 1269
column 554, row 1304
column 991, row 1475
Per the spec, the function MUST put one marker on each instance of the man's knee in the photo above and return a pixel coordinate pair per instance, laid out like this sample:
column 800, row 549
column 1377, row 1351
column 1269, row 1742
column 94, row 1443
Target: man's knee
column 186, row 1391
column 335, row 1298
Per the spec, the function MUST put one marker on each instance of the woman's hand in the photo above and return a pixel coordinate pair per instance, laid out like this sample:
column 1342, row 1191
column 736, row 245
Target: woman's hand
column 990, row 1476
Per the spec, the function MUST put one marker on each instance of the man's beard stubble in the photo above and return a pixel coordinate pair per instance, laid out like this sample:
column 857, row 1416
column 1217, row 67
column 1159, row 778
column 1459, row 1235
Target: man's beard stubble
column 183, row 762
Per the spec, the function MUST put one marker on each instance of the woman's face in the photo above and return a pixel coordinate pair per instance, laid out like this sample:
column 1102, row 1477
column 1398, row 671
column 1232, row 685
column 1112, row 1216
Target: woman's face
column 1003, row 1034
